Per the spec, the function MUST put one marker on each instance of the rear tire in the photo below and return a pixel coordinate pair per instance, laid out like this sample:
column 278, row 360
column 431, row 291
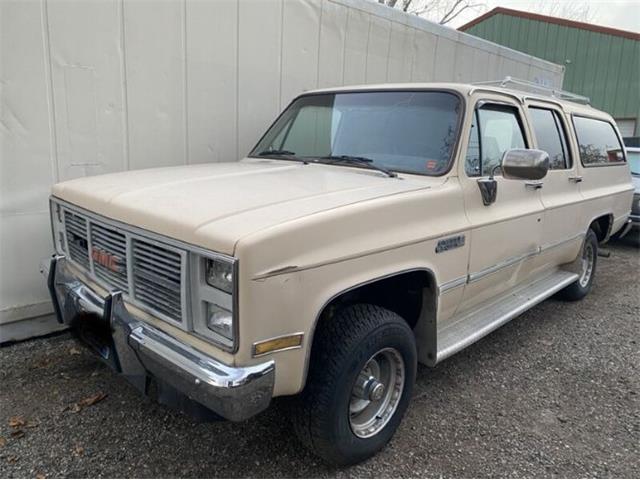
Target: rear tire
column 361, row 376
column 589, row 256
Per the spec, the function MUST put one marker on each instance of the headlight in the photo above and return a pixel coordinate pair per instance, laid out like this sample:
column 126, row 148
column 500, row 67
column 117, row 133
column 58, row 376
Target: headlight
column 219, row 274
column 220, row 320
column 213, row 306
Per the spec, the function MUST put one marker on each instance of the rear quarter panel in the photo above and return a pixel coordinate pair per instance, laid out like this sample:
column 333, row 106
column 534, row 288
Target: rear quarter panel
column 606, row 189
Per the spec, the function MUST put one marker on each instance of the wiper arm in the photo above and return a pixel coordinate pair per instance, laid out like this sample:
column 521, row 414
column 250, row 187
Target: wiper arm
column 276, row 152
column 282, row 153
column 354, row 159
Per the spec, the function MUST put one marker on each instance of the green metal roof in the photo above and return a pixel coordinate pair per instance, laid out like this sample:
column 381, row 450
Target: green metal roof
column 601, row 63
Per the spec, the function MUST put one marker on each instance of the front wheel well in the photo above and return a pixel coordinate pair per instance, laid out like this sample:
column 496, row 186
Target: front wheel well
column 411, row 294
column 402, row 293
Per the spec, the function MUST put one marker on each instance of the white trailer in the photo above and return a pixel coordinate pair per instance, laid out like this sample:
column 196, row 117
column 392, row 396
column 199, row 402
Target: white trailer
column 95, row 87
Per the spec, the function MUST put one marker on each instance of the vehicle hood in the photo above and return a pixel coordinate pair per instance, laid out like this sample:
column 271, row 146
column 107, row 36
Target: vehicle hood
column 214, row 205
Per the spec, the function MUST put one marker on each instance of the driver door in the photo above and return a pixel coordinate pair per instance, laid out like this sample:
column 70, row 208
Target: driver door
column 505, row 235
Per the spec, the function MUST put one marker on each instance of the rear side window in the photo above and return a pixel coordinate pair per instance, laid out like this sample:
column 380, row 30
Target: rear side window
column 598, row 142
column 494, row 130
column 551, row 137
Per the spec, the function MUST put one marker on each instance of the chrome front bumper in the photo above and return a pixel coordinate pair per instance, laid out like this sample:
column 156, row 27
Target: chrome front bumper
column 141, row 352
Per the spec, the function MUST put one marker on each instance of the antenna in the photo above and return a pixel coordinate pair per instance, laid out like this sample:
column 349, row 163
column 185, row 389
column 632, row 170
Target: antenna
column 527, row 86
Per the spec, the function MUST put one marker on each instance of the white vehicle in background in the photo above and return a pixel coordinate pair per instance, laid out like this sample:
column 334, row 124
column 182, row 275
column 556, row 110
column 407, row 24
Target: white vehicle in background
column 633, row 157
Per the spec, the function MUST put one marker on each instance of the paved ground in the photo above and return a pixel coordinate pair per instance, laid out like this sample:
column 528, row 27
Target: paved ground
column 555, row 393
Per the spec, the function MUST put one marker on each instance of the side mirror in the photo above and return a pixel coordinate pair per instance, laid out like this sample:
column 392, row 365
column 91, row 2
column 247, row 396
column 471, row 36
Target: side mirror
column 517, row 164
column 525, row 164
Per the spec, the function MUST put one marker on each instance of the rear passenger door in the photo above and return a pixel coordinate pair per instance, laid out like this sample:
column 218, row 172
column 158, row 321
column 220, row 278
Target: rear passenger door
column 559, row 190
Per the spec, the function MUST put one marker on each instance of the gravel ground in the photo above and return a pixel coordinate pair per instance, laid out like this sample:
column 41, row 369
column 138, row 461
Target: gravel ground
column 555, row 393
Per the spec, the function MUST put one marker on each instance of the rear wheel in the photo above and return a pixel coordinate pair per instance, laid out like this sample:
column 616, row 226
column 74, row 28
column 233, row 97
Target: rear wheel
column 360, row 380
column 589, row 255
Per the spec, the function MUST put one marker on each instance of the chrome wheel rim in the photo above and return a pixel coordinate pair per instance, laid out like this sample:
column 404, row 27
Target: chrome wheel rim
column 588, row 260
column 376, row 393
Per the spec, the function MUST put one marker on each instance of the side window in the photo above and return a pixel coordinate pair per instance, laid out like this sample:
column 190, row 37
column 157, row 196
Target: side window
column 550, row 136
column 495, row 129
column 598, row 142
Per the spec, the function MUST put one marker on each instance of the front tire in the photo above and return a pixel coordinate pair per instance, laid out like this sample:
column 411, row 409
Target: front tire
column 589, row 255
column 361, row 376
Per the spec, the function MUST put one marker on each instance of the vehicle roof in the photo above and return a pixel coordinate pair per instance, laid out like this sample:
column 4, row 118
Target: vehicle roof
column 468, row 89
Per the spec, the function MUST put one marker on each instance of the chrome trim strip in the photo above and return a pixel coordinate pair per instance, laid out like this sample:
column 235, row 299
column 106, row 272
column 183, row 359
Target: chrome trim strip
column 92, row 266
column 451, row 284
column 474, row 277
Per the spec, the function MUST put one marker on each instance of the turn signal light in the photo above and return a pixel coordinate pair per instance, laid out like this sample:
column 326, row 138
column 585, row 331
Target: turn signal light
column 277, row 344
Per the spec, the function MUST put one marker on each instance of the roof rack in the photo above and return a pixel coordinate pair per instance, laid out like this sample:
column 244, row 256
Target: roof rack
column 527, row 86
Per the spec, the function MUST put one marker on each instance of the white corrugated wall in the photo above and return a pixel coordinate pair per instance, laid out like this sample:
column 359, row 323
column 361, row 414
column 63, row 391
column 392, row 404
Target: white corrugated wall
column 90, row 87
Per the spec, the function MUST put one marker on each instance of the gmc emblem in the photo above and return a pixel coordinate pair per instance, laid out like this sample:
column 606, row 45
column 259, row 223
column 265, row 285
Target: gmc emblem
column 106, row 259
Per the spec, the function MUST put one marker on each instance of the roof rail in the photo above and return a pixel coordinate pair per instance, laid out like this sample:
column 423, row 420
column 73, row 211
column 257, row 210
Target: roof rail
column 527, row 86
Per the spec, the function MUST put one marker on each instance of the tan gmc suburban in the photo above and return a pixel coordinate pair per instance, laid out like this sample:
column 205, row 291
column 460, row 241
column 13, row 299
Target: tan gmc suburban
column 370, row 228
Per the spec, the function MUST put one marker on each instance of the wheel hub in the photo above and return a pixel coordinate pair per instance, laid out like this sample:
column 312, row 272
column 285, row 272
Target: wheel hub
column 367, row 387
column 376, row 392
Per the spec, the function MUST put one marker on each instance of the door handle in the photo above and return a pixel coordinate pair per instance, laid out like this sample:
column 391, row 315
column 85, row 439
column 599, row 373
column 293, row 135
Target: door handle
column 534, row 185
column 576, row 179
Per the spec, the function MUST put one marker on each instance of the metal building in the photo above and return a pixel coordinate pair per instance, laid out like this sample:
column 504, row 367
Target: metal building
column 601, row 63
column 109, row 85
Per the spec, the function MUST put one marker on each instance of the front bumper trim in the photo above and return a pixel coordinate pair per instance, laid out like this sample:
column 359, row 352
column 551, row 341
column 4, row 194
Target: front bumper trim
column 141, row 351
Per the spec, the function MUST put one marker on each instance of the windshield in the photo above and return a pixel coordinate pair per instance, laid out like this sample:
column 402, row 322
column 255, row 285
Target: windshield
column 412, row 132
column 634, row 162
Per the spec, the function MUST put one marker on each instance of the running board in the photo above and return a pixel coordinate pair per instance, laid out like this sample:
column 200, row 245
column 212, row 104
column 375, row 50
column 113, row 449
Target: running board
column 472, row 326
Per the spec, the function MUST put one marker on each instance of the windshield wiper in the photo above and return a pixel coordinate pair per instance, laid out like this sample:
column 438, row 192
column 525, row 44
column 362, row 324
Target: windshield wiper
column 276, row 152
column 354, row 159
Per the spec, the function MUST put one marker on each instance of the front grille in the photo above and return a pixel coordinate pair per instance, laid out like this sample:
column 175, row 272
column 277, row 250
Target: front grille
column 157, row 273
column 76, row 233
column 153, row 281
column 113, row 243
